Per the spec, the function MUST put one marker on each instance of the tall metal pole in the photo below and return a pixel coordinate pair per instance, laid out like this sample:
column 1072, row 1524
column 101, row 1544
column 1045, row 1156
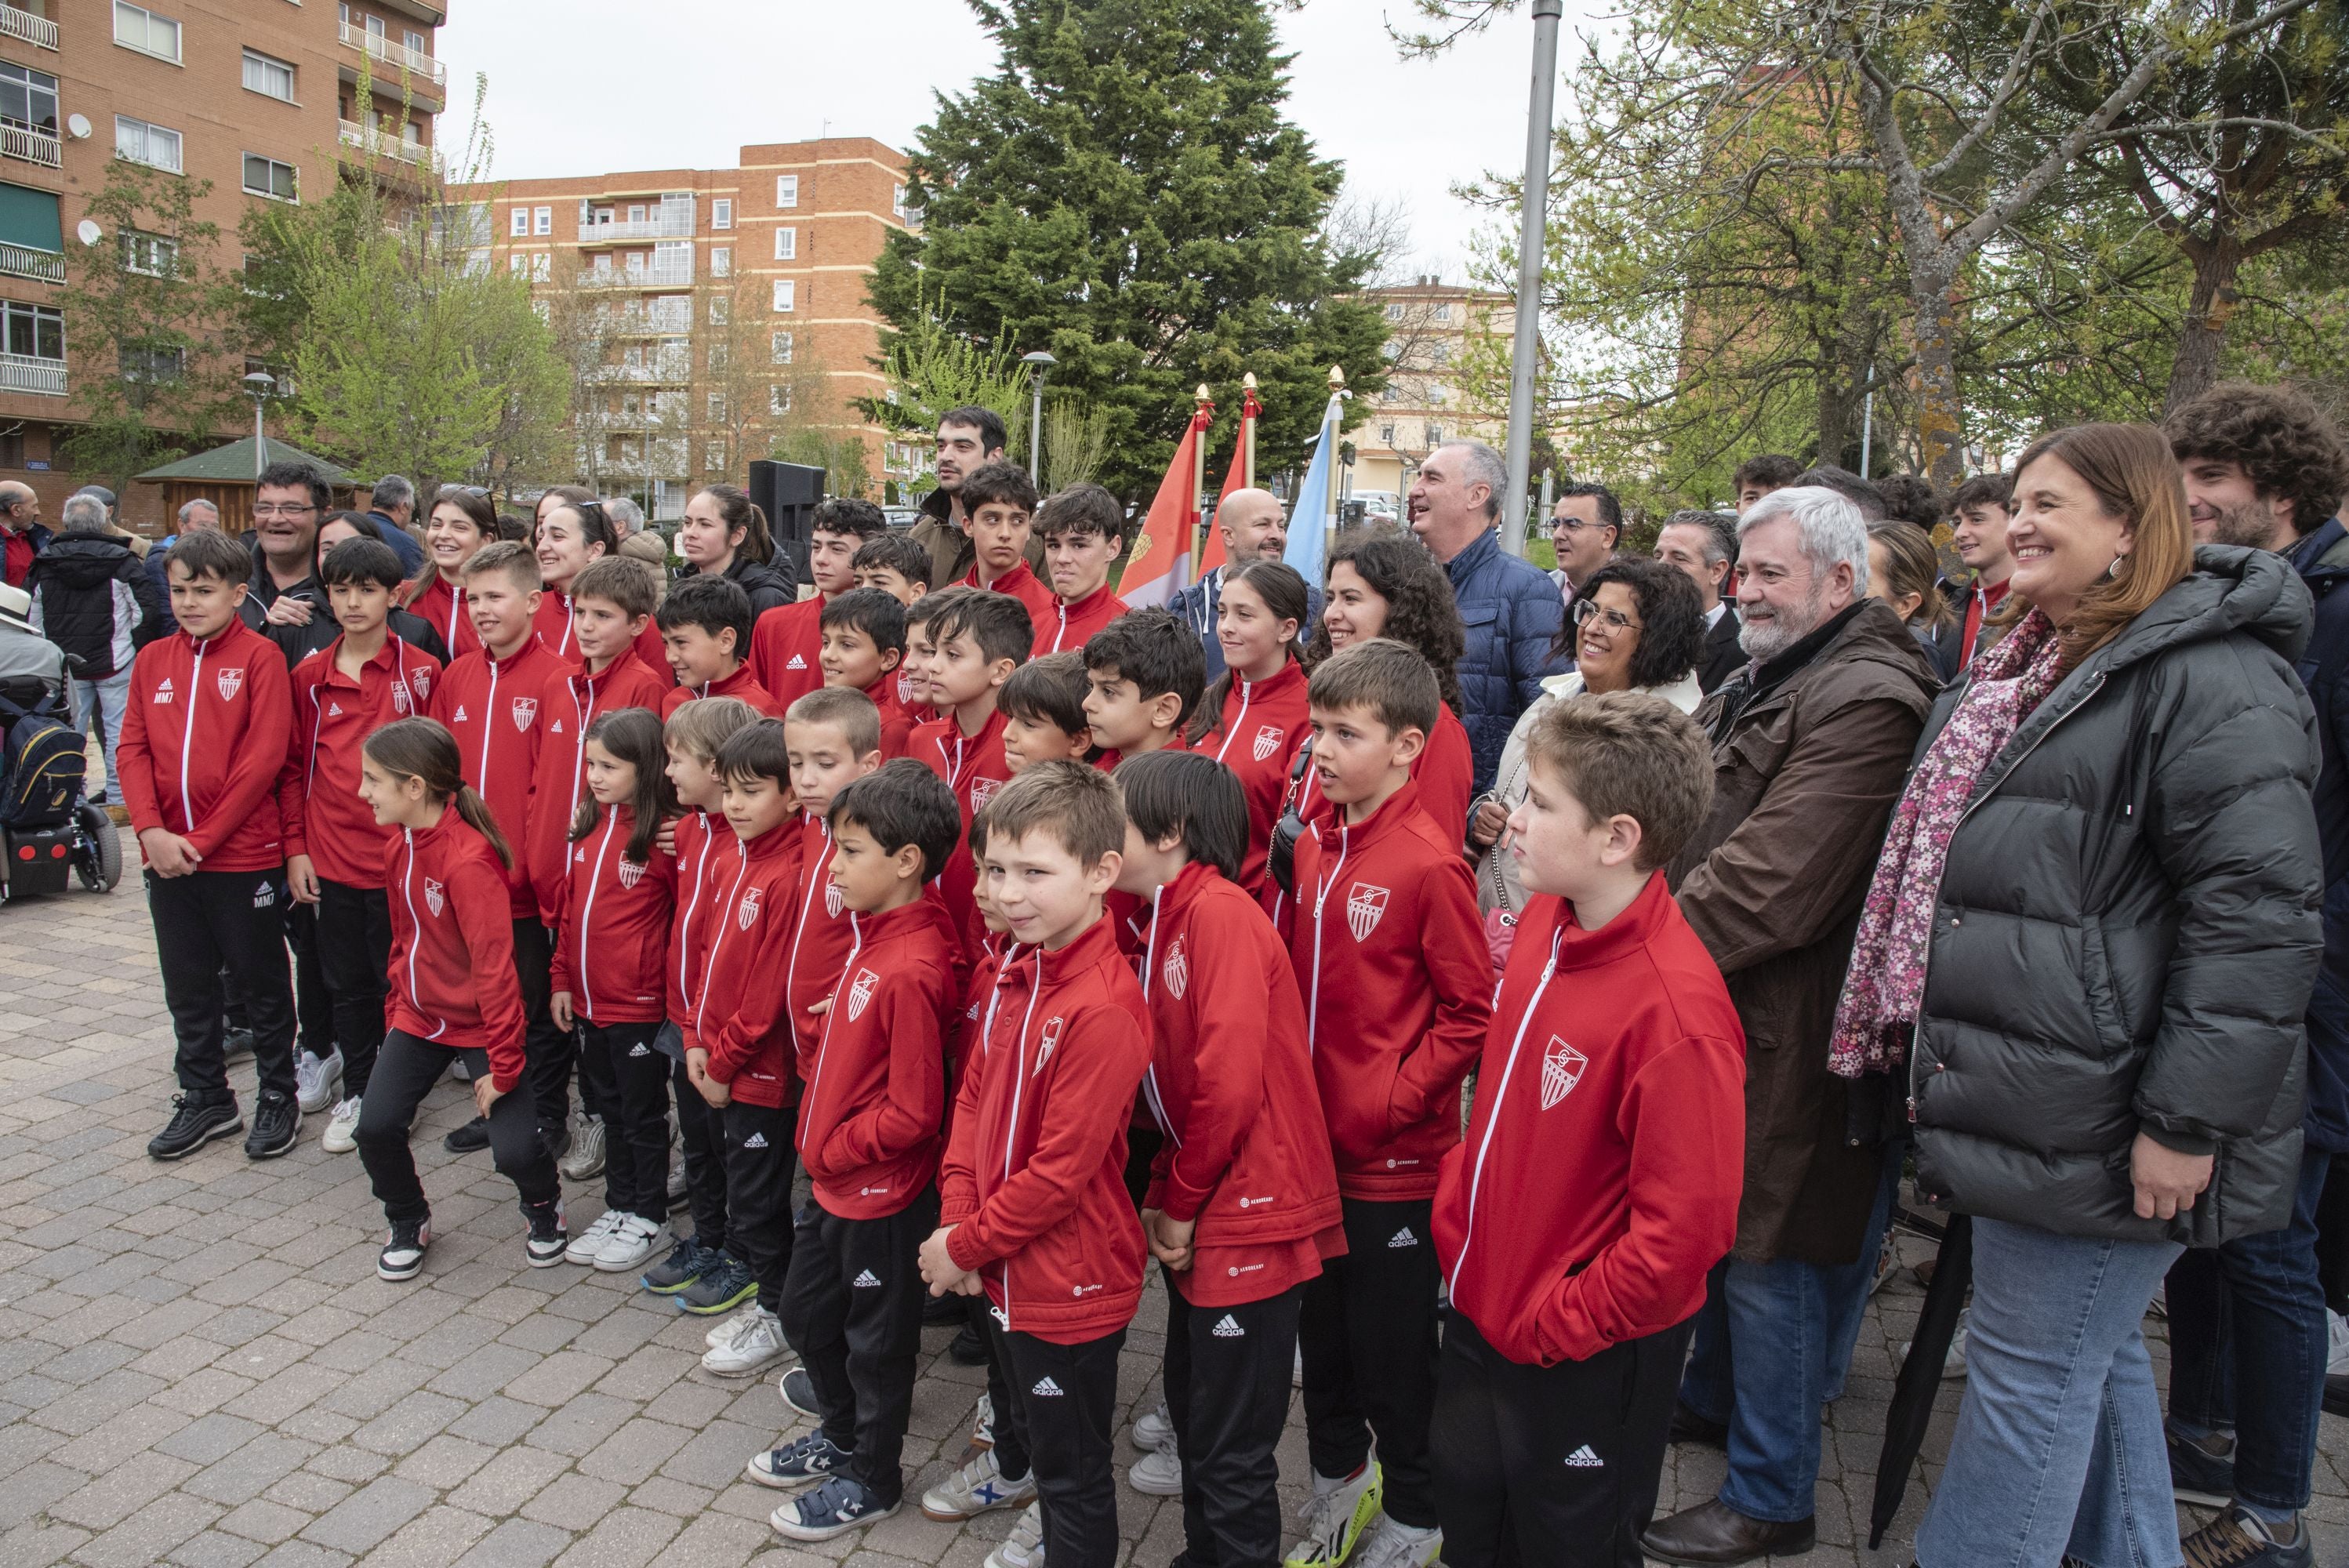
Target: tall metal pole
column 1868, row 422
column 1036, row 426
column 1530, row 244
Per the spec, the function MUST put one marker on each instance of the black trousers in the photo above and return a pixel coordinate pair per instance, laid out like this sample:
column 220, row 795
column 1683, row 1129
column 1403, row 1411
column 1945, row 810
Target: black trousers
column 636, row 1139
column 314, row 1005
column 852, row 1310
column 1367, row 1334
column 405, row 1071
column 702, row 1126
column 1551, row 1464
column 1141, row 1147
column 354, row 955
column 206, row 922
column 759, row 1161
column 549, row 1051
column 1228, row 1390
column 1063, row 1407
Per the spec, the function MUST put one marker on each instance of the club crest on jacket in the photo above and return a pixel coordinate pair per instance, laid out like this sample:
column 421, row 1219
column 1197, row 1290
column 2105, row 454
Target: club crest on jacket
column 1562, row 1068
column 832, row 901
column 524, row 709
column 1176, row 970
column 860, row 992
column 631, row 871
column 1365, row 906
column 1049, row 1043
column 436, row 897
column 230, row 680
column 748, row 911
column 1268, row 741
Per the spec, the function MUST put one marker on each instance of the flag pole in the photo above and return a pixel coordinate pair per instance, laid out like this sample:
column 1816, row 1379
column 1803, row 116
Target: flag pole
column 1199, row 421
column 1249, row 409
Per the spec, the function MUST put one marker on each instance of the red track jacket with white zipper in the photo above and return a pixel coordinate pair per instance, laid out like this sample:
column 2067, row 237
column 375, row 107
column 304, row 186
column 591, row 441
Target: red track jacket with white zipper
column 820, row 939
column 612, row 946
column 1035, row 595
column 1263, row 724
column 974, row 768
column 491, row 707
column 785, row 643
column 897, row 720
column 204, row 735
column 1442, row 772
column 556, row 630
column 1034, row 1179
column 1600, row 1179
column 452, row 964
column 1390, row 956
column 877, row 1090
column 740, row 684
column 1247, row 1154
column 570, row 701
column 739, row 1020
column 319, row 792
column 443, row 609
column 709, row 854
column 1065, row 626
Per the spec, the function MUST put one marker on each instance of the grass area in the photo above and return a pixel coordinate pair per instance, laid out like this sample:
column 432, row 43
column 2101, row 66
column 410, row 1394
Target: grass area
column 1542, row 554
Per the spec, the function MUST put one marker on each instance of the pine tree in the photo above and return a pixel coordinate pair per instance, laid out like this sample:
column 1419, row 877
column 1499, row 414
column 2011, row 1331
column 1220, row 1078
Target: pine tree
column 1124, row 193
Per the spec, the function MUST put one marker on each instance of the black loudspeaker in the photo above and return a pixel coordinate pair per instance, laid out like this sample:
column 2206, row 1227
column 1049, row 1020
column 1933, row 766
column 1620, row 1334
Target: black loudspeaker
column 788, row 494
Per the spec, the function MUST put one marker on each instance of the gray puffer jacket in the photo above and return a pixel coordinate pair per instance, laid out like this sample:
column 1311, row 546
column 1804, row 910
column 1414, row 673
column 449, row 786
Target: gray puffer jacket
column 2126, row 931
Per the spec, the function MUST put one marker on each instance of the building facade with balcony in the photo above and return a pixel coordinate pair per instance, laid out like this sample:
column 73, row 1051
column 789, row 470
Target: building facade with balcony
column 268, row 100
column 1431, row 329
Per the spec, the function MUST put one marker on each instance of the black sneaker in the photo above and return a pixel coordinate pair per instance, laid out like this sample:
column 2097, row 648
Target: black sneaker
column 276, row 1126
column 2196, row 1473
column 195, row 1123
column 944, row 1311
column 720, row 1289
column 548, row 1240
column 968, row 1349
column 470, row 1139
column 403, row 1250
column 840, row 1506
column 798, row 1390
column 236, row 1043
column 687, row 1262
column 801, row 1462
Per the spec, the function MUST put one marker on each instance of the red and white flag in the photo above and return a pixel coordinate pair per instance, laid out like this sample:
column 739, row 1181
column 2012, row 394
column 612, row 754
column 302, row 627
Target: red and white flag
column 1241, row 477
column 1160, row 566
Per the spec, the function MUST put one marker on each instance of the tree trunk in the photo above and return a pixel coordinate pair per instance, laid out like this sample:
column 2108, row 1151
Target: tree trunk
column 1835, row 419
column 2209, row 310
column 1941, row 417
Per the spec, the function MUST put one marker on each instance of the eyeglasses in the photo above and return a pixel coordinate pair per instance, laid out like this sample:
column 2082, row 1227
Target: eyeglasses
column 1612, row 622
column 281, row 509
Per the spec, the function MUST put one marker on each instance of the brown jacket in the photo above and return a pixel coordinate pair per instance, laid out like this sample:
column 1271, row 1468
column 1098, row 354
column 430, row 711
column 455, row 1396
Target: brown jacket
column 1804, row 782
column 950, row 547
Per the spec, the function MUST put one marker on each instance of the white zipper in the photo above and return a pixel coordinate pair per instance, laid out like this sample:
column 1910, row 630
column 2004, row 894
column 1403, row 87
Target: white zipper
column 188, row 735
column 580, row 718
column 701, row 1006
column 1232, row 726
column 1500, row 1103
column 1012, row 1133
column 1321, row 897
column 488, row 713
column 692, row 903
column 407, row 896
column 587, row 913
column 1150, row 1073
column 791, row 964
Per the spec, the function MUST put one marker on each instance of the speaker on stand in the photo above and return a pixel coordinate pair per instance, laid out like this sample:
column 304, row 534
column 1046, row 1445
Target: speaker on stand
column 788, row 494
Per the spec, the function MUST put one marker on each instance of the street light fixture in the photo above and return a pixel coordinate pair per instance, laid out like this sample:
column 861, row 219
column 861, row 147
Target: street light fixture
column 260, row 385
column 1038, row 365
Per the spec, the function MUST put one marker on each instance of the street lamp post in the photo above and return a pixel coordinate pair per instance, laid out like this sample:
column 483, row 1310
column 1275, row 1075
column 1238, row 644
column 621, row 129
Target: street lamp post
column 1038, row 364
column 258, row 385
column 1531, row 236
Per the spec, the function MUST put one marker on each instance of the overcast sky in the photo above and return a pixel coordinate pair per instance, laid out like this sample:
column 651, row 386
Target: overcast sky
column 582, row 87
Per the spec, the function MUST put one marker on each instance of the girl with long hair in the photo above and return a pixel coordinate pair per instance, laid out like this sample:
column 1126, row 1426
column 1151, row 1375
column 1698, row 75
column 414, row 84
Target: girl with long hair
column 461, row 523
column 1253, row 719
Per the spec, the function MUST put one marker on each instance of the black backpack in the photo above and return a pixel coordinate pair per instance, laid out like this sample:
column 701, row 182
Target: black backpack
column 40, row 766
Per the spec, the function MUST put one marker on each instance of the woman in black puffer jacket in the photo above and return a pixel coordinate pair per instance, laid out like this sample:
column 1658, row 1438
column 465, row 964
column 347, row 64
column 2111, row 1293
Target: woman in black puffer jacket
column 725, row 532
column 2097, row 908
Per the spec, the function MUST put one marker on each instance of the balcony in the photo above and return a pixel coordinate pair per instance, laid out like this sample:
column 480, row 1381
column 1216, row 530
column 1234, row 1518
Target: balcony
column 31, row 30
column 31, row 144
column 399, row 56
column 664, row 318
column 23, row 373
column 667, row 226
column 660, row 275
column 382, row 144
column 673, row 371
column 25, row 261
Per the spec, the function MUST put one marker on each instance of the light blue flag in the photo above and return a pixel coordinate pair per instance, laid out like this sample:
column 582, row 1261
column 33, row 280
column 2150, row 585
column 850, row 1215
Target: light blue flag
column 1316, row 511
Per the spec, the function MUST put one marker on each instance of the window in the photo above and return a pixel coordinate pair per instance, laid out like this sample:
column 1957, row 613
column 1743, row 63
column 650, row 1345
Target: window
column 713, row 457
column 29, row 218
column 34, row 331
column 718, row 358
column 137, row 28
column 149, row 254
column 787, row 296
column 787, row 244
column 780, row 348
column 153, row 365
column 779, row 399
column 263, row 75
column 417, row 45
column 787, row 190
column 1386, row 435
column 1434, row 437
column 28, row 97
column 143, row 143
column 717, row 407
column 719, row 310
column 1394, row 313
column 721, row 261
column 897, row 204
column 636, row 213
column 1444, row 313
column 268, row 177
column 721, row 213
column 517, row 262
column 542, row 220
column 1391, row 392
column 541, row 267
column 518, row 224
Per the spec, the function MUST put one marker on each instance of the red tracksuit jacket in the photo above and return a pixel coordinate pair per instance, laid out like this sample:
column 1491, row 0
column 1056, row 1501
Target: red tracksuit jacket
column 1264, row 723
column 204, row 735
column 1230, row 1082
column 1022, row 584
column 571, row 700
column 1599, row 1181
column 443, row 608
column 1034, row 1179
column 740, row 684
column 740, row 1019
column 876, row 1089
column 554, row 628
column 1443, row 774
column 1064, row 628
column 820, row 937
column 319, row 792
column 974, row 768
column 452, row 963
column 491, row 707
column 1390, row 956
column 784, row 646
column 709, row 855
column 612, row 949
column 897, row 721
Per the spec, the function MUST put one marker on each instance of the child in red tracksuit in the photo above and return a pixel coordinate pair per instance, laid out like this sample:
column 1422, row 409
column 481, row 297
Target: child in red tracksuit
column 740, row 1053
column 1600, row 1179
column 453, row 991
column 1243, row 1200
column 609, row 986
column 979, row 641
column 863, row 633
column 869, row 1135
column 1390, row 955
column 832, row 737
column 1253, row 718
column 1034, row 1210
column 705, row 625
column 204, row 734
column 786, row 644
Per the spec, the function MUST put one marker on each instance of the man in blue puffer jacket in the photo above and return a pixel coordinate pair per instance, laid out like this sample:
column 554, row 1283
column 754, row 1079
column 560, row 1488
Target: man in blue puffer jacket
column 1510, row 609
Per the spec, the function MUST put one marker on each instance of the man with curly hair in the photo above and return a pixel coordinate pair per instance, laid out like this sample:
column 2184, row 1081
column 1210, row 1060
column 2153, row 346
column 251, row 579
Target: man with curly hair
column 2265, row 468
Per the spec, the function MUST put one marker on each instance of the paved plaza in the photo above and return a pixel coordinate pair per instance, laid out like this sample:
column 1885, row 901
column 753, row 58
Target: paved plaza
column 198, row 1366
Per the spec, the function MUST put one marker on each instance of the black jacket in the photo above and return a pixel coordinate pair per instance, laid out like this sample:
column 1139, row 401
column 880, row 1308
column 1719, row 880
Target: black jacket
column 2126, row 929
column 298, row 643
column 2322, row 560
column 92, row 598
column 1722, row 657
column 770, row 586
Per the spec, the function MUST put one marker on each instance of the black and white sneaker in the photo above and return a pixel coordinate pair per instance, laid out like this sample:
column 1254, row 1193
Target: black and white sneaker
column 798, row 1390
column 193, row 1124
column 548, row 1240
column 840, row 1506
column 276, row 1126
column 801, row 1462
column 403, row 1250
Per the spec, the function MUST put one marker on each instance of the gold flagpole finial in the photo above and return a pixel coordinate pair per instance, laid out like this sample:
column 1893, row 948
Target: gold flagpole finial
column 1248, row 381
column 1203, row 396
column 1336, row 379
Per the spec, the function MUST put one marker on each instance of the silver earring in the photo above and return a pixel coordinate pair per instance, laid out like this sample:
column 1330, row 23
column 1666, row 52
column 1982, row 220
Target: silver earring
column 2115, row 569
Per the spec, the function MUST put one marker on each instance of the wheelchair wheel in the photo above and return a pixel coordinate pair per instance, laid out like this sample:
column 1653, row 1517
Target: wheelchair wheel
column 98, row 858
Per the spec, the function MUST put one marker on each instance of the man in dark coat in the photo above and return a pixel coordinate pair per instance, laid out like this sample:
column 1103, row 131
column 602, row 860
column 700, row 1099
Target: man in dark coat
column 1703, row 544
column 1811, row 745
column 93, row 599
column 967, row 437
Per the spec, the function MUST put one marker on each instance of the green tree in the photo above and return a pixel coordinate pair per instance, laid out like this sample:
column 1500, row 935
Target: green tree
column 1124, row 193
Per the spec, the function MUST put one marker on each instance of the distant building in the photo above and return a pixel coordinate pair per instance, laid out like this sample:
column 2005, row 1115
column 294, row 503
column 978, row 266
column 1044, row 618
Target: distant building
column 1431, row 326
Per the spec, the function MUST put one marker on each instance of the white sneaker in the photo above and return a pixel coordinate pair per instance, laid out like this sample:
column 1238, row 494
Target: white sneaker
column 633, row 1241
column 1338, row 1516
column 1024, row 1547
column 1953, row 1365
column 1158, row 1474
column 2336, row 1343
column 982, row 1432
column 342, row 1133
column 732, row 1325
column 677, row 1185
column 584, row 1160
column 589, row 1242
column 759, row 1343
column 977, row 1488
column 317, row 1084
column 1393, row 1545
column 1154, row 1430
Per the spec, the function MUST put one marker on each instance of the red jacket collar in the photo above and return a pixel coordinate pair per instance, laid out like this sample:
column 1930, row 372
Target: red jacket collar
column 1176, row 897
column 1084, row 606
column 1624, row 935
column 1360, row 836
column 1022, row 576
column 1096, row 944
column 904, row 920
column 780, row 839
column 1291, row 677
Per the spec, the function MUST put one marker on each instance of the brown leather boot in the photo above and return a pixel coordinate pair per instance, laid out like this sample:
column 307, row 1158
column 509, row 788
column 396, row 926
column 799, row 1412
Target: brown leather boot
column 1714, row 1533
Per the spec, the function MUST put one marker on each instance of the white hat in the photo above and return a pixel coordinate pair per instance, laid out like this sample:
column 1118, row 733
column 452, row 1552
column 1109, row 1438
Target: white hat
column 15, row 608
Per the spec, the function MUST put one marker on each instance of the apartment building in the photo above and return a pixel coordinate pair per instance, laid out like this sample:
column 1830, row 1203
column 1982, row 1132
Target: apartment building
column 262, row 97
column 1432, row 326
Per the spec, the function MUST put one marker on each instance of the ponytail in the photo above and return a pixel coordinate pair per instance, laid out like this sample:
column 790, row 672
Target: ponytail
column 1283, row 595
column 735, row 510
column 423, row 749
column 476, row 812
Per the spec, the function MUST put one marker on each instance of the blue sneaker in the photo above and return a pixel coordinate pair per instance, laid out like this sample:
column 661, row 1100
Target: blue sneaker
column 840, row 1506
column 687, row 1262
column 722, row 1288
column 801, row 1462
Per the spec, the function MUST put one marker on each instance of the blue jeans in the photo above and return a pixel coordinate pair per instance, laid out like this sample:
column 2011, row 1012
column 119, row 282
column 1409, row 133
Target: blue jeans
column 2058, row 1449
column 1843, row 1329
column 2247, row 1347
column 110, row 696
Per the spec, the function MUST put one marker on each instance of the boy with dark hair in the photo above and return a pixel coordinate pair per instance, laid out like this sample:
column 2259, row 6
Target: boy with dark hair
column 999, row 501
column 1599, row 1181
column 894, row 564
column 1758, row 475
column 869, row 1134
column 1034, row 1211
column 1978, row 514
column 1147, row 672
column 863, row 644
column 1389, row 954
column 1044, row 707
column 203, row 736
column 705, row 625
column 366, row 678
column 979, row 639
column 1083, row 528
column 788, row 642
